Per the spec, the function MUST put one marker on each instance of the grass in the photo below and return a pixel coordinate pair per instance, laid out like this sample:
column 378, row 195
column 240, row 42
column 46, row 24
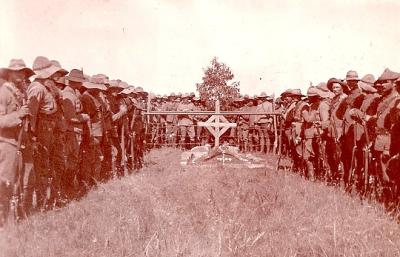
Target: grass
column 168, row 211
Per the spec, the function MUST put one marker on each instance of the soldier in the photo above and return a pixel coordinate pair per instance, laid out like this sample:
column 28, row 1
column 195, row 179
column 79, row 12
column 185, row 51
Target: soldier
column 243, row 124
column 155, row 122
column 393, row 165
column 253, row 129
column 185, row 122
column 171, row 120
column 386, row 106
column 335, row 130
column 293, row 126
column 395, row 131
column 93, row 132
column 75, row 122
column 12, row 116
column 233, row 132
column 365, row 132
column 349, row 147
column 58, row 159
column 42, row 100
column 201, row 132
column 118, row 110
column 314, row 120
column 106, row 144
column 287, row 119
column 264, row 122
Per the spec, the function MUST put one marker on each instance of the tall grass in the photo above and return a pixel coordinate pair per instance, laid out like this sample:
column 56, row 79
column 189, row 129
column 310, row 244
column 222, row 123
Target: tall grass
column 168, row 211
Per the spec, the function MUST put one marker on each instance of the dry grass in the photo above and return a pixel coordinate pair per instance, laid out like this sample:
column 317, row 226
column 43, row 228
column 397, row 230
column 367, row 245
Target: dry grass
column 168, row 211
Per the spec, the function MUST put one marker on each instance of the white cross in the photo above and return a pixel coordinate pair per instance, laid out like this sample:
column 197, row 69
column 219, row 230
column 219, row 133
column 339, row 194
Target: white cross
column 217, row 124
column 224, row 158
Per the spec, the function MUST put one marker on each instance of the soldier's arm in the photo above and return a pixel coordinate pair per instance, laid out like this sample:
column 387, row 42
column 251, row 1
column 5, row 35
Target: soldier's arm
column 35, row 95
column 88, row 106
column 307, row 114
column 7, row 120
column 324, row 115
column 122, row 111
column 341, row 110
column 70, row 111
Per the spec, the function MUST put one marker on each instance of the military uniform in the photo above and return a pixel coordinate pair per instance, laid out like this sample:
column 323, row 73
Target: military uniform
column 10, row 121
column 244, row 129
column 334, row 135
column 185, row 122
column 72, row 107
column 350, row 131
column 170, row 122
column 43, row 106
column 92, row 138
column 264, row 123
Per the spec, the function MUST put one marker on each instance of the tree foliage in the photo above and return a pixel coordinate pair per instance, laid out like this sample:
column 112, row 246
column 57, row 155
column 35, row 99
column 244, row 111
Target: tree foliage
column 217, row 84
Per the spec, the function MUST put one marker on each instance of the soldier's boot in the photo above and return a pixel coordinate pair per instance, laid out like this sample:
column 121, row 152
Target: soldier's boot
column 262, row 145
column 310, row 170
column 5, row 197
column 246, row 146
column 192, row 143
column 182, row 143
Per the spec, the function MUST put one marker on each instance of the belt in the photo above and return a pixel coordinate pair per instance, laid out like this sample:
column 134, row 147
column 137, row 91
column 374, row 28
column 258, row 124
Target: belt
column 382, row 131
column 48, row 116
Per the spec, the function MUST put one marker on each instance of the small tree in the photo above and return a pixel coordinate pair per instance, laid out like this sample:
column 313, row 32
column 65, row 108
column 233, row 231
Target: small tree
column 215, row 85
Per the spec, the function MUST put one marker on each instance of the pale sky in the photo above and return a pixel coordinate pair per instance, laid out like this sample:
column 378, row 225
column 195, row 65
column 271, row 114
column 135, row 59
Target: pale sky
column 163, row 46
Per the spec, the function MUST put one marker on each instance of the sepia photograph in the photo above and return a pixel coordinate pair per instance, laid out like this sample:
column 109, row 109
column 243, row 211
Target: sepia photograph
column 197, row 128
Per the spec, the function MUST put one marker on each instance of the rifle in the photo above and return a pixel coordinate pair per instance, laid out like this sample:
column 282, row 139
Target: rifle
column 366, row 156
column 353, row 164
column 17, row 187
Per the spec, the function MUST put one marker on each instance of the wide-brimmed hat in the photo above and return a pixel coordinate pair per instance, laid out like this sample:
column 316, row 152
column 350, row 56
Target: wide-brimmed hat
column 324, row 92
column 352, row 75
column 332, row 81
column 17, row 65
column 238, row 99
column 367, row 83
column 106, row 79
column 95, row 82
column 57, row 64
column 140, row 91
column 62, row 81
column 128, row 91
column 76, row 75
column 123, row 85
column 286, row 92
column 295, row 92
column 388, row 74
column 185, row 96
column 262, row 95
column 44, row 68
column 113, row 84
column 313, row 91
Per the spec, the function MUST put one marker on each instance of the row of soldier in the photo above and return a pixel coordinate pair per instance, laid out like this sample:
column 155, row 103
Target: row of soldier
column 252, row 133
column 65, row 131
column 62, row 132
column 346, row 132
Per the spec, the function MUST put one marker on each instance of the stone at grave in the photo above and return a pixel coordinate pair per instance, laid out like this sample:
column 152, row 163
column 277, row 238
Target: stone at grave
column 225, row 155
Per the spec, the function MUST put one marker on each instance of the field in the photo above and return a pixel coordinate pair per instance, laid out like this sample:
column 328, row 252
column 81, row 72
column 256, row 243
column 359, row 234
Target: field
column 165, row 210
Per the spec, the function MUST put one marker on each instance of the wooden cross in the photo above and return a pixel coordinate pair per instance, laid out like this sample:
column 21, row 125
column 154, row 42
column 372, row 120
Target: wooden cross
column 217, row 124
